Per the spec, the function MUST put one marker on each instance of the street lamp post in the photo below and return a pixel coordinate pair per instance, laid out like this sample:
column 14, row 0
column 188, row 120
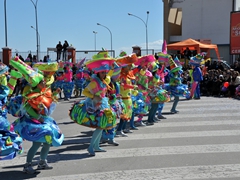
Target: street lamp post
column 35, row 7
column 38, row 35
column 110, row 34
column 5, row 14
column 145, row 23
column 95, row 39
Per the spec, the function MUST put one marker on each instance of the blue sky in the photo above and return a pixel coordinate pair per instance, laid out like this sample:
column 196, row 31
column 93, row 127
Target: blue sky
column 75, row 21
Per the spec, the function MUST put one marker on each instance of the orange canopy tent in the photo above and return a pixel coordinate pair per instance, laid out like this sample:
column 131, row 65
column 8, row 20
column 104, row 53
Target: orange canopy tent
column 193, row 45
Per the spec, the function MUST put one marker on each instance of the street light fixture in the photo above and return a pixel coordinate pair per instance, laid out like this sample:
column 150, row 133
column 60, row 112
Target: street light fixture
column 5, row 14
column 110, row 34
column 145, row 23
column 38, row 35
column 95, row 39
column 35, row 7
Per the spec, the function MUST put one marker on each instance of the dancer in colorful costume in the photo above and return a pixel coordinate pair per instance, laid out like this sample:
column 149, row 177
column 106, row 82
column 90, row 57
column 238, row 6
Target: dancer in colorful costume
column 197, row 76
column 87, row 73
column 156, row 86
column 79, row 79
column 58, row 83
column 95, row 111
column 115, row 102
column 10, row 142
column 34, row 122
column 175, row 86
column 142, row 80
column 68, row 84
column 157, row 94
column 126, row 87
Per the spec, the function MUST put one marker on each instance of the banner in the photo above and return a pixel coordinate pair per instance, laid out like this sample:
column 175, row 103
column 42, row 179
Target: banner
column 235, row 33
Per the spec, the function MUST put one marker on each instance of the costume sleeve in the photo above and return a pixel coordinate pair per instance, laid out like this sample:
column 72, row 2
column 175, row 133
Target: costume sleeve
column 13, row 80
column 88, row 91
column 3, row 80
column 26, row 90
column 110, row 73
column 197, row 74
column 31, row 112
column 125, row 85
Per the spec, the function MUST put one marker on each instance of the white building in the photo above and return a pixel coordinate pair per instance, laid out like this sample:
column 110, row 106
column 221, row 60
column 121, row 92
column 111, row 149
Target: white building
column 201, row 20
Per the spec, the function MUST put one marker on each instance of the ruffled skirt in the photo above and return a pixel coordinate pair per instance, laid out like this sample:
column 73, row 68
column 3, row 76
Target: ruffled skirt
column 180, row 90
column 10, row 142
column 33, row 130
column 85, row 113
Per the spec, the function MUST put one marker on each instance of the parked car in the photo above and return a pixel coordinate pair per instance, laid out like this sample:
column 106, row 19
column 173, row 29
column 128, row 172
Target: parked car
column 224, row 63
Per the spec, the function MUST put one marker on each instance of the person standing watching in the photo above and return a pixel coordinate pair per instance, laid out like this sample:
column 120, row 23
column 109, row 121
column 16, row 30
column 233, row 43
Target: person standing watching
column 59, row 48
column 65, row 46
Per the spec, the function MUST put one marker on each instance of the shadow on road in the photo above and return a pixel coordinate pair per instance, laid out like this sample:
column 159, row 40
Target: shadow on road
column 66, row 123
column 83, row 134
column 17, row 175
column 67, row 157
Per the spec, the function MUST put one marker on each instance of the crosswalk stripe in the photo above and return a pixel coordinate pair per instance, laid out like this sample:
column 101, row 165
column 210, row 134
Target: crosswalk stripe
column 203, row 114
column 162, row 151
column 167, row 135
column 169, row 173
column 165, row 123
column 184, row 134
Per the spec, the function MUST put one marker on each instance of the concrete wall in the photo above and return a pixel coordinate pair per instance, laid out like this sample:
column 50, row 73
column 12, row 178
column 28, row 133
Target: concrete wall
column 237, row 5
column 206, row 19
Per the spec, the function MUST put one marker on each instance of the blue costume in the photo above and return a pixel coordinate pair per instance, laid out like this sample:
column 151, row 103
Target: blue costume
column 10, row 142
column 175, row 86
column 80, row 82
column 197, row 77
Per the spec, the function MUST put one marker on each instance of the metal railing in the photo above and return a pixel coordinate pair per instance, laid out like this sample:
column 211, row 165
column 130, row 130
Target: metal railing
column 80, row 54
column 52, row 54
column 150, row 51
column 89, row 53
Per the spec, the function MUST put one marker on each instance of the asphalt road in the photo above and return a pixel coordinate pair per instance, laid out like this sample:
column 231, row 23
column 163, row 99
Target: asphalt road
column 199, row 143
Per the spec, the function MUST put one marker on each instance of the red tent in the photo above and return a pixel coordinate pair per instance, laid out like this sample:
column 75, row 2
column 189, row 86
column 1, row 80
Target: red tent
column 193, row 45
